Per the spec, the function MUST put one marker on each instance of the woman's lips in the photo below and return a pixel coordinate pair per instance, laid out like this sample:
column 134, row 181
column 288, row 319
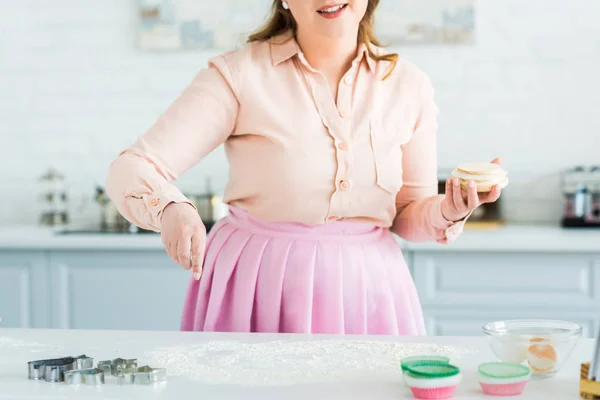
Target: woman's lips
column 332, row 11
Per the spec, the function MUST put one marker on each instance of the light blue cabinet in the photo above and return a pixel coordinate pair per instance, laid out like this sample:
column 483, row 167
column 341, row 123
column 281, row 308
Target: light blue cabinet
column 144, row 289
column 461, row 291
column 116, row 290
column 24, row 289
column 91, row 290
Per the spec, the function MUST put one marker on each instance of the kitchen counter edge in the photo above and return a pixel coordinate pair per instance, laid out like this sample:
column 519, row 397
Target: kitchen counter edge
column 515, row 238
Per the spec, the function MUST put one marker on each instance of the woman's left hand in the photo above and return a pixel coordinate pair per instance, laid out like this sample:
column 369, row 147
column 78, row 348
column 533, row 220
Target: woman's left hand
column 458, row 203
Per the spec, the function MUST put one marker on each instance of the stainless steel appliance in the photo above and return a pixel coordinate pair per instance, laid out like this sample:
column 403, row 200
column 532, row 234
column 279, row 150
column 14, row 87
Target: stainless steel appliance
column 111, row 219
column 581, row 192
column 209, row 205
column 592, row 213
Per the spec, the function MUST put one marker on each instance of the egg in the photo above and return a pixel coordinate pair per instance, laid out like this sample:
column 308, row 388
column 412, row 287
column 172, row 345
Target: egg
column 541, row 355
column 511, row 351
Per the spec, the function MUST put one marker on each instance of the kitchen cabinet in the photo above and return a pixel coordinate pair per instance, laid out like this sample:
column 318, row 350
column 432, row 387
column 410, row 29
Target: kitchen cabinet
column 460, row 291
column 527, row 279
column 24, row 292
column 131, row 283
column 83, row 289
column 116, row 290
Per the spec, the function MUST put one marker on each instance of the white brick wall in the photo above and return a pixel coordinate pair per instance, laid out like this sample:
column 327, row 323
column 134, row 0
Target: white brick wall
column 75, row 91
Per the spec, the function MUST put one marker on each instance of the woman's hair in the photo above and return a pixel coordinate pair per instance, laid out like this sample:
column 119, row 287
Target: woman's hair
column 281, row 21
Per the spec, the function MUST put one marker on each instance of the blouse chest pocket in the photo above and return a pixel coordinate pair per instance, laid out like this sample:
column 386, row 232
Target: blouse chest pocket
column 387, row 139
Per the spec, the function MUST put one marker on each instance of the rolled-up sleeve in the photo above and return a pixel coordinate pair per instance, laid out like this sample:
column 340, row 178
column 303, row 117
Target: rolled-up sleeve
column 418, row 204
column 196, row 123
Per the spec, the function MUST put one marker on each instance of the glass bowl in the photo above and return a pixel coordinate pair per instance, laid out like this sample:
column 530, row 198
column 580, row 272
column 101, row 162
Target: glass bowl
column 544, row 345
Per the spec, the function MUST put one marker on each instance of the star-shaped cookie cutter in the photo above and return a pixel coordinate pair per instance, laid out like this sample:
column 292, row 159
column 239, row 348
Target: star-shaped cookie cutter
column 91, row 376
column 112, row 367
column 54, row 369
column 142, row 375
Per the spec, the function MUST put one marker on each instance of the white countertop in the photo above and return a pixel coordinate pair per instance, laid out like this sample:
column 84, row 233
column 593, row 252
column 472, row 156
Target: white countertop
column 42, row 238
column 505, row 238
column 232, row 366
column 541, row 238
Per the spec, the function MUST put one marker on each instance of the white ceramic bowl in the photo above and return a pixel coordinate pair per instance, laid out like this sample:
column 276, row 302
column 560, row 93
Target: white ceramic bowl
column 544, row 345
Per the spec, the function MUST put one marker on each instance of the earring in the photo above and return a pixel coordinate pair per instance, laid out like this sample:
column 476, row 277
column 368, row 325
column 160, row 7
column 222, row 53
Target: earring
column 284, row 4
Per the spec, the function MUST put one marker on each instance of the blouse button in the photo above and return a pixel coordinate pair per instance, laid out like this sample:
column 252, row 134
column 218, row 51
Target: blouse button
column 154, row 202
column 344, row 185
column 348, row 79
column 343, row 146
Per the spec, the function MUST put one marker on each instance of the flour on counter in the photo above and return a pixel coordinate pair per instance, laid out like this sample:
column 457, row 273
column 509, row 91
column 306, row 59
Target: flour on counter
column 7, row 344
column 287, row 363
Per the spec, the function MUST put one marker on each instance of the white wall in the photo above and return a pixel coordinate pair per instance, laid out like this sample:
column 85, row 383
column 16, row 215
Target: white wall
column 74, row 91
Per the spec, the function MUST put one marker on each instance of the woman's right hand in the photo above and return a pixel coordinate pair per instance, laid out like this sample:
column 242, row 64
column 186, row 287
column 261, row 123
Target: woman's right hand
column 184, row 236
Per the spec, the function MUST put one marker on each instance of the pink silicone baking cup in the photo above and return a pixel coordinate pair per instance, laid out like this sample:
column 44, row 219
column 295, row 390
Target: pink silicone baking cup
column 503, row 379
column 506, row 389
column 434, row 393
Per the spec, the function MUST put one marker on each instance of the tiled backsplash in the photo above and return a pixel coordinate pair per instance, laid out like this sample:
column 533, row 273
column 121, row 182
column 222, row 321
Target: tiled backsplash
column 75, row 91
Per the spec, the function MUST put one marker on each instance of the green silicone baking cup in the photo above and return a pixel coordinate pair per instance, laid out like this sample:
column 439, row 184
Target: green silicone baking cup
column 503, row 370
column 424, row 359
column 431, row 370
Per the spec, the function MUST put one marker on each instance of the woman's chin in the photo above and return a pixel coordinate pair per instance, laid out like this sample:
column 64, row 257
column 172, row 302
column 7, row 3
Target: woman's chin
column 338, row 32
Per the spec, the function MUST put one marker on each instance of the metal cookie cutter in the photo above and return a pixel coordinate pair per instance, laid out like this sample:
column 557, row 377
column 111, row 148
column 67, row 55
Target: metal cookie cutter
column 142, row 375
column 112, row 367
column 91, row 376
column 53, row 370
column 83, row 362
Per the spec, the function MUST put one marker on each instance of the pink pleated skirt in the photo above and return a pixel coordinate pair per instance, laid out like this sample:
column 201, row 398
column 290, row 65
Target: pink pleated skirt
column 338, row 278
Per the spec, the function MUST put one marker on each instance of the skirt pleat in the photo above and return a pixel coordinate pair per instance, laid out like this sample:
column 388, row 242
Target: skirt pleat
column 199, row 291
column 223, row 290
column 355, row 291
column 340, row 278
column 269, row 288
column 386, row 315
column 328, row 289
column 297, row 291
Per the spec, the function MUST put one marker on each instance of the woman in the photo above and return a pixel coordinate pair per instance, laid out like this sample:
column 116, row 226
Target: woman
column 332, row 147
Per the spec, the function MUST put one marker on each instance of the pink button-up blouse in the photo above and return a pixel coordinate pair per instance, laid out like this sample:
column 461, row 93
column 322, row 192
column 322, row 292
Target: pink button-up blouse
column 296, row 154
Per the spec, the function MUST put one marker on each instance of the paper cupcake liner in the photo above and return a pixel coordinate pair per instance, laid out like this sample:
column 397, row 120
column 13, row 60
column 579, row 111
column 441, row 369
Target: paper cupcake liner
column 503, row 371
column 434, row 393
column 498, row 381
column 431, row 383
column 503, row 389
column 423, row 359
column 432, row 379
column 503, row 379
column 431, row 370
